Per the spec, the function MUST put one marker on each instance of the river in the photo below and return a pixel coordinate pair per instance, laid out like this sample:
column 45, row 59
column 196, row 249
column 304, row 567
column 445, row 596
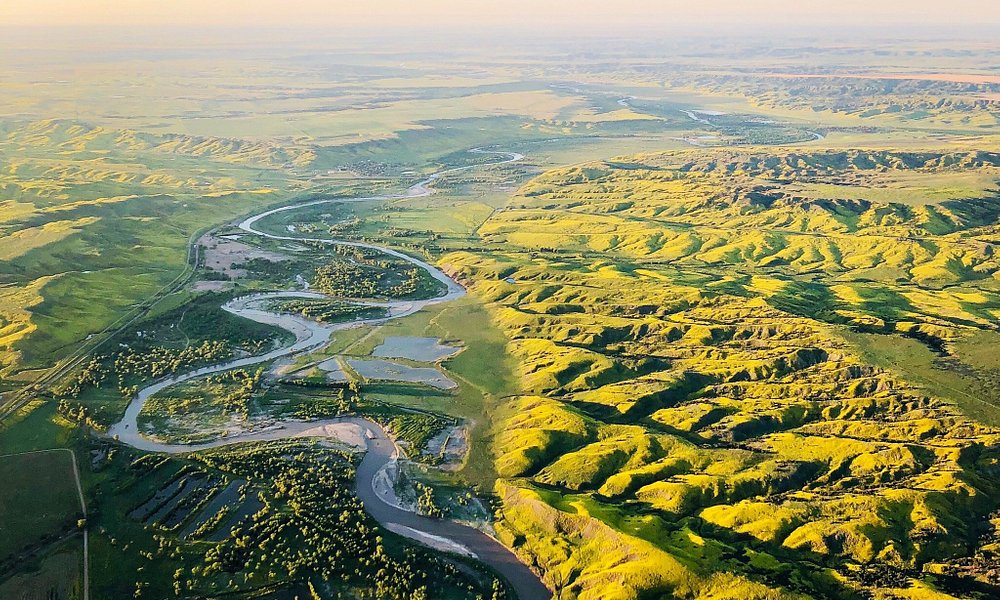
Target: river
column 381, row 453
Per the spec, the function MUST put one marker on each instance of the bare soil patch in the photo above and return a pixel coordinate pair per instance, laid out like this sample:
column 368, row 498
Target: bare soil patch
column 422, row 349
column 221, row 254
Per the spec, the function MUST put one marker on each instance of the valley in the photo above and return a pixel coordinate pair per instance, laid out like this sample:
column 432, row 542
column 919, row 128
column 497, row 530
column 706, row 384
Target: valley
column 690, row 320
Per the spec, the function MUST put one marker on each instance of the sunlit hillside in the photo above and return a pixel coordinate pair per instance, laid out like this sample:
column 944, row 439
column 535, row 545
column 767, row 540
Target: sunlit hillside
column 685, row 325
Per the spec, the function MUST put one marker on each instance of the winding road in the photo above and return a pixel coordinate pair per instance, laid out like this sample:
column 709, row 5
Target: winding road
column 381, row 454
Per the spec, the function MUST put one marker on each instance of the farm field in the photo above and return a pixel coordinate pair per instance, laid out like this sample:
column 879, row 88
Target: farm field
column 57, row 575
column 623, row 321
column 39, row 503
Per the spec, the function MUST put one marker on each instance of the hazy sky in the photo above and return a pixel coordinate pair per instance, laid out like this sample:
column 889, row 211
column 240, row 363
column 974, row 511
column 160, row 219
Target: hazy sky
column 592, row 14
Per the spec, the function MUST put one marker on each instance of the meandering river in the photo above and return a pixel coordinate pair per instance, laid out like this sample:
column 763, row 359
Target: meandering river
column 381, row 452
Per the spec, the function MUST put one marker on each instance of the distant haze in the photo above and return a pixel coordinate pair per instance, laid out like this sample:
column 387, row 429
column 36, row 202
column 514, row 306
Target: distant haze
column 612, row 16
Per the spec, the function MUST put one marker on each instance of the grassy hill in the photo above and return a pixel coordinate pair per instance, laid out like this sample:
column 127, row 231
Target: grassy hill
column 706, row 355
column 94, row 220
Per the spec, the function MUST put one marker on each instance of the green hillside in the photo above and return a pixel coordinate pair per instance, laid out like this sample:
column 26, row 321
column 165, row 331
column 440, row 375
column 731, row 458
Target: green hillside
column 707, row 355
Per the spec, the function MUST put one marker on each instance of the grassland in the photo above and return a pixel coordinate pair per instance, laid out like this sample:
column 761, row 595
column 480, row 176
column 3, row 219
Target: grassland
column 914, row 189
column 679, row 322
column 39, row 502
column 951, row 377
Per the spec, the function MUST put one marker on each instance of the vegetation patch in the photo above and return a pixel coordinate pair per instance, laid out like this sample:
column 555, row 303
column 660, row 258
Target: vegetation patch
column 363, row 273
column 328, row 311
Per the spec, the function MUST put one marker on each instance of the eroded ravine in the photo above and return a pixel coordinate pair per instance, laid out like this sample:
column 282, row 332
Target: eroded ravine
column 381, row 452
